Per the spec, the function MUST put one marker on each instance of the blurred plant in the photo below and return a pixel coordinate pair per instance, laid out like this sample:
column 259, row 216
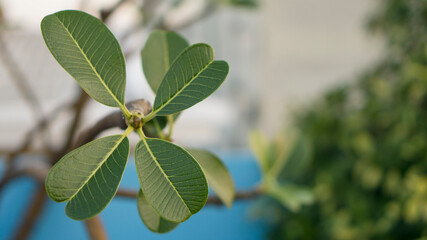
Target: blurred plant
column 245, row 3
column 281, row 161
column 369, row 139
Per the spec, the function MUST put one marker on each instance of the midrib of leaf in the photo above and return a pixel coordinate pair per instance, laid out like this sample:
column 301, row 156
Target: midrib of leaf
column 152, row 114
column 122, row 107
column 127, row 132
column 143, row 138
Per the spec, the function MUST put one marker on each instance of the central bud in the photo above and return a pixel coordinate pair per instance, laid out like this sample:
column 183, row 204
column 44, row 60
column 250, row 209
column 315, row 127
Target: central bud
column 135, row 120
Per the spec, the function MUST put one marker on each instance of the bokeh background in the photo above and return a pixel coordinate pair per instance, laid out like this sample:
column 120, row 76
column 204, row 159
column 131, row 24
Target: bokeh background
column 337, row 90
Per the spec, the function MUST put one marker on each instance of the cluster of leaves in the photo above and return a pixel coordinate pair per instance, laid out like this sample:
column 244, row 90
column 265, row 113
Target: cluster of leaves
column 369, row 141
column 173, row 180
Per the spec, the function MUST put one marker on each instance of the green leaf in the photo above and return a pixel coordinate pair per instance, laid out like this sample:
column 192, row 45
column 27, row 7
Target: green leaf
column 151, row 218
column 89, row 52
column 265, row 153
column 297, row 160
column 151, row 127
column 88, row 177
column 193, row 76
column 170, row 178
column 291, row 196
column 159, row 52
column 161, row 122
column 218, row 177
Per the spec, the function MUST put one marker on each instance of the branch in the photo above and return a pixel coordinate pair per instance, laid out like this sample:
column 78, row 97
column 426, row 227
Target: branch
column 106, row 13
column 78, row 107
column 20, row 81
column 36, row 207
column 95, row 228
column 112, row 120
column 213, row 200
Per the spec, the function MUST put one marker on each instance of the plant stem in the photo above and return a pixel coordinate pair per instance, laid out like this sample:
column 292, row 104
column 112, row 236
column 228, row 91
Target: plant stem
column 171, row 123
column 158, row 130
column 141, row 133
column 128, row 131
column 125, row 111
column 149, row 117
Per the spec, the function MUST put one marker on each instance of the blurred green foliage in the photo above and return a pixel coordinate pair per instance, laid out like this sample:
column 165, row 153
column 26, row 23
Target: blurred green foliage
column 244, row 3
column 369, row 144
column 280, row 161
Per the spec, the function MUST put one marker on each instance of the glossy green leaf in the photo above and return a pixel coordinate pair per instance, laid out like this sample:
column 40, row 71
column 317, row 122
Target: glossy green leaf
column 89, row 52
column 88, row 177
column 172, row 181
column 193, row 76
column 159, row 52
column 151, row 218
column 216, row 173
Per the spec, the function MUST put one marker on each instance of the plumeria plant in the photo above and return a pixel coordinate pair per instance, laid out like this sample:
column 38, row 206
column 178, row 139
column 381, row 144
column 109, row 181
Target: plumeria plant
column 173, row 180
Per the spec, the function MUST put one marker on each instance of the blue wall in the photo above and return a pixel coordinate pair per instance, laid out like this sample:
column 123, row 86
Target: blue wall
column 121, row 218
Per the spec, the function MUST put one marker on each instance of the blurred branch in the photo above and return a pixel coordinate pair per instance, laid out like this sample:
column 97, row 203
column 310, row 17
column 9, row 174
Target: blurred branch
column 96, row 228
column 37, row 204
column 185, row 14
column 165, row 15
column 19, row 80
column 29, row 137
column 78, row 108
column 106, row 13
column 112, row 120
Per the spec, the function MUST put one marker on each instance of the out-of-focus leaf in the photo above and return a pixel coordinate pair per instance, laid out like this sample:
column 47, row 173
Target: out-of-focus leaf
column 151, row 218
column 297, row 160
column 291, row 196
column 244, row 3
column 263, row 150
column 150, row 128
column 219, row 179
column 159, row 52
